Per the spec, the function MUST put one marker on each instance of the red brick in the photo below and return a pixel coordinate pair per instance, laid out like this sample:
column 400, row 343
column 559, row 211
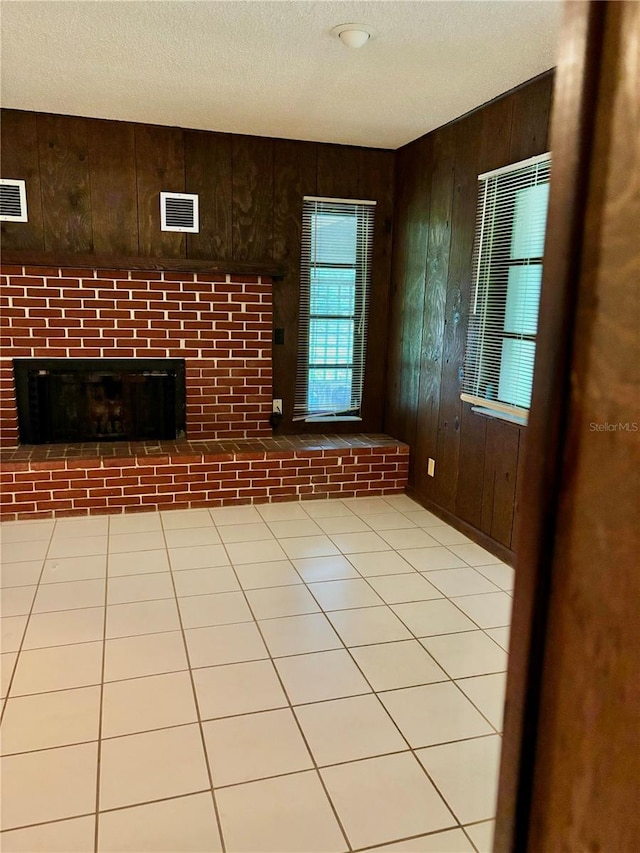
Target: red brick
column 89, row 503
column 123, row 501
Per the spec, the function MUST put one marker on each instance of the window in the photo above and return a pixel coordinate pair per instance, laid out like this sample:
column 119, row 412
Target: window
column 337, row 242
column 507, row 276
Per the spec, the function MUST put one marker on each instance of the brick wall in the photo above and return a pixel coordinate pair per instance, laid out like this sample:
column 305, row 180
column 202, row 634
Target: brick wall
column 221, row 325
column 33, row 489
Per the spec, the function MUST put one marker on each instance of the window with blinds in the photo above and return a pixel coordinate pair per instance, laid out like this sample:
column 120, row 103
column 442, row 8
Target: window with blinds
column 337, row 244
column 507, row 276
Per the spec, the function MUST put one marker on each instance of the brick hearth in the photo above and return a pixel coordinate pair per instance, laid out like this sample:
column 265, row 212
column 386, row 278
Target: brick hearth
column 47, row 480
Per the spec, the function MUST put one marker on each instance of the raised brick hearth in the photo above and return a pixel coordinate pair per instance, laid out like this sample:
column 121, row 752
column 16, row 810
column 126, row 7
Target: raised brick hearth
column 47, row 480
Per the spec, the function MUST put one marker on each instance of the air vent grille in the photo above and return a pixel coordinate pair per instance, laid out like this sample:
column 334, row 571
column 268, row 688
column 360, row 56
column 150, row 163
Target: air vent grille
column 13, row 200
column 179, row 212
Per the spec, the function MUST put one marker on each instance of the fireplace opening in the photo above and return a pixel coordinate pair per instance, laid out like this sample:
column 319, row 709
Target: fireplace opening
column 80, row 400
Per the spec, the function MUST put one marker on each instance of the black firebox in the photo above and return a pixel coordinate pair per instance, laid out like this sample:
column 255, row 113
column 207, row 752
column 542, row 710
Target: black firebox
column 78, row 400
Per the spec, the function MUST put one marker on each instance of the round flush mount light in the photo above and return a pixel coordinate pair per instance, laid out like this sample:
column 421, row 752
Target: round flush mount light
column 353, row 35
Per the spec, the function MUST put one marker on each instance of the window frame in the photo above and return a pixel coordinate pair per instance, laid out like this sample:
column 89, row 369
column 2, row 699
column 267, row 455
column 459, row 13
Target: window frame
column 365, row 223
column 489, row 332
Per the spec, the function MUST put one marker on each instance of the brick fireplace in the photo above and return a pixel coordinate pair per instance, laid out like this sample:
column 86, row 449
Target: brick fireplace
column 219, row 324
column 219, row 327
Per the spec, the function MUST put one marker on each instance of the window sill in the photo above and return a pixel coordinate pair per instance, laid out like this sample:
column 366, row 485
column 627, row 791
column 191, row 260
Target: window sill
column 331, row 419
column 502, row 416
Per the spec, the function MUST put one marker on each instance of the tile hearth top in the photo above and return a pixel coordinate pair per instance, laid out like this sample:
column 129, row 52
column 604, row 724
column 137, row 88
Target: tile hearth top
column 184, row 447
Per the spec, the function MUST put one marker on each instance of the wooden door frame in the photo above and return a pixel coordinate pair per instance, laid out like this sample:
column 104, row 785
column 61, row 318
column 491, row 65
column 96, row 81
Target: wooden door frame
column 572, row 129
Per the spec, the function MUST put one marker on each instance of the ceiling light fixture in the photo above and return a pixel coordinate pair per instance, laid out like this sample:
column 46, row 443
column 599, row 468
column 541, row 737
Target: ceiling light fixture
column 353, row 35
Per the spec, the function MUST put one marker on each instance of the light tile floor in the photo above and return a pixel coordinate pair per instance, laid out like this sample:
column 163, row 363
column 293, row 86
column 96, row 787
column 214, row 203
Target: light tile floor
column 320, row 676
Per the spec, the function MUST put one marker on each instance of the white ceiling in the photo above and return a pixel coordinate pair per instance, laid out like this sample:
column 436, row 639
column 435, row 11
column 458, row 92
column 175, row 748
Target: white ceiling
column 273, row 68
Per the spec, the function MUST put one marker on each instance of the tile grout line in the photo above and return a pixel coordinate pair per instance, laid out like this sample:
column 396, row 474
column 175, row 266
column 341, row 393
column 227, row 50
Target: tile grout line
column 297, row 722
column 437, row 663
column 26, row 627
column 402, row 735
column 411, row 572
column 421, row 765
column 447, row 673
column 374, row 693
column 383, row 603
column 424, row 769
column 100, row 718
column 251, row 660
column 411, row 749
column 274, row 618
column 194, row 692
column 105, row 811
column 250, row 714
column 385, row 844
column 475, row 847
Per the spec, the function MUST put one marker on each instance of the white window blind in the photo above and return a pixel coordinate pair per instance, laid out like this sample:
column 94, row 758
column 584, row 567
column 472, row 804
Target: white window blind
column 337, row 245
column 507, row 275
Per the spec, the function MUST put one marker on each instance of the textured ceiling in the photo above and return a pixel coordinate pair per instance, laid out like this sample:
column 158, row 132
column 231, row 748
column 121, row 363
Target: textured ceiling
column 272, row 68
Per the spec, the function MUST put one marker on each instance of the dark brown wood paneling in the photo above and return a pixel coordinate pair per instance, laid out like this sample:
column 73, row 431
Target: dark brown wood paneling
column 471, row 467
column 501, row 465
column 252, row 198
column 520, row 480
column 497, row 119
column 392, row 415
column 463, row 220
column 209, row 172
column 112, row 175
column 418, row 207
column 428, row 354
column 64, row 176
column 295, row 166
column 504, row 482
column 20, row 160
column 26, row 257
column 376, row 183
column 491, row 450
column 435, row 300
column 160, row 168
column 338, row 171
column 530, row 123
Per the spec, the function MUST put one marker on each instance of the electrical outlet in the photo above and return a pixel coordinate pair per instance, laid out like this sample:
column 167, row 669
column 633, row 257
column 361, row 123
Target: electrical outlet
column 277, row 407
column 431, row 467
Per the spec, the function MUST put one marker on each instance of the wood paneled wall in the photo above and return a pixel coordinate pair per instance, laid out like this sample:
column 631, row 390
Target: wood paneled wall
column 93, row 185
column 478, row 459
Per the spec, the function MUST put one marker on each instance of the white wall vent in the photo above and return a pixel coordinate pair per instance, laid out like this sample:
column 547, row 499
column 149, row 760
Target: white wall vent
column 179, row 212
column 13, row 200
